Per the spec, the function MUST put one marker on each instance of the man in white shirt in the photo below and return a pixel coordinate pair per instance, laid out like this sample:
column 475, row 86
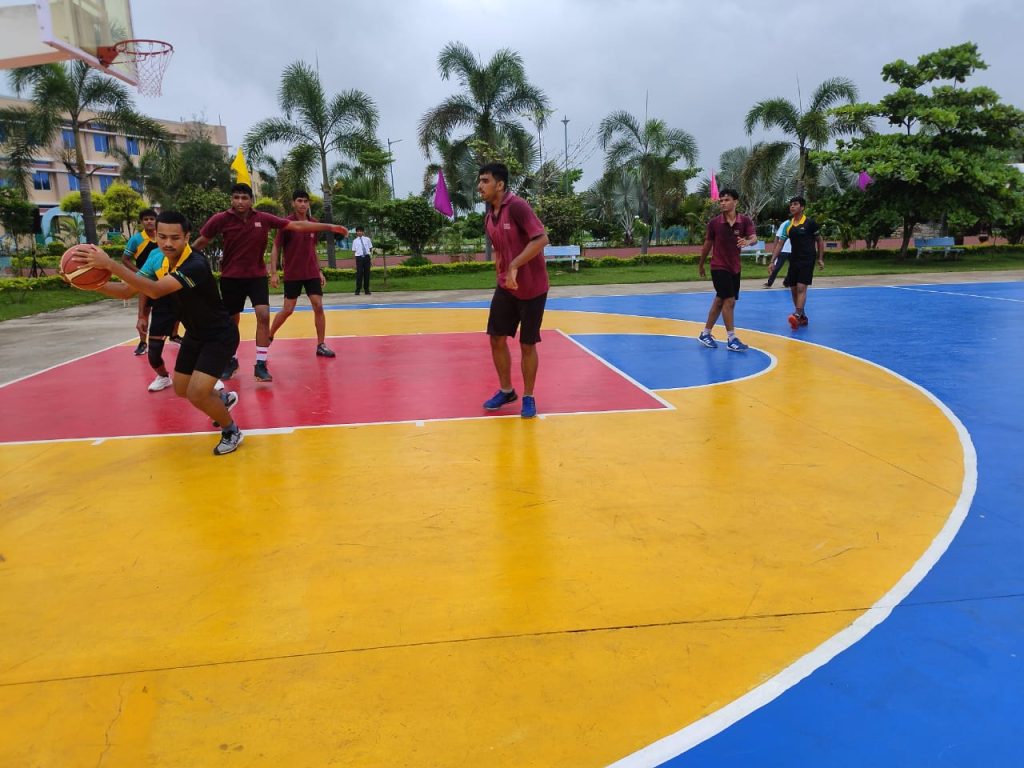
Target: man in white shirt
column 362, row 247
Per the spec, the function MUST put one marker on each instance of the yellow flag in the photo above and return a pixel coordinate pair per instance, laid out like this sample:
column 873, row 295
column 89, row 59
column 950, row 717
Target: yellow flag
column 238, row 166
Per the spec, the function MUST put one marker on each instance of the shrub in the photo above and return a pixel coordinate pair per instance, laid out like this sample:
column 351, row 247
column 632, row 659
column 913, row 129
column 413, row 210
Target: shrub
column 416, row 261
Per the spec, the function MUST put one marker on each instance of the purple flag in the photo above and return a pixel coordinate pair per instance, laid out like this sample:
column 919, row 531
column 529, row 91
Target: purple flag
column 863, row 180
column 442, row 202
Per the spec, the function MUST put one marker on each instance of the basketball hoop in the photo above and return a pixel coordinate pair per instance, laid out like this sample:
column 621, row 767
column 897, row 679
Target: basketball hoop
column 150, row 58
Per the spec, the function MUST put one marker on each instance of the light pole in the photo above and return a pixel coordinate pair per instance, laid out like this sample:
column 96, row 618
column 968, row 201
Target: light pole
column 565, row 124
column 391, row 165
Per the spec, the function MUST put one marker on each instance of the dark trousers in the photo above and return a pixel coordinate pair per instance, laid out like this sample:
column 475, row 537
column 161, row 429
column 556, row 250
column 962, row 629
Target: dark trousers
column 363, row 273
column 778, row 268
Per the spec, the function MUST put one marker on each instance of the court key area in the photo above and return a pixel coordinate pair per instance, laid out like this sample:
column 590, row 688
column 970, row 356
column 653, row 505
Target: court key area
column 804, row 554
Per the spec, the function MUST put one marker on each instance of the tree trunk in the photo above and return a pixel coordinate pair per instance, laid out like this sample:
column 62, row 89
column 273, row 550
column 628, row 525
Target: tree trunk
column 908, row 233
column 332, row 262
column 801, row 170
column 85, row 189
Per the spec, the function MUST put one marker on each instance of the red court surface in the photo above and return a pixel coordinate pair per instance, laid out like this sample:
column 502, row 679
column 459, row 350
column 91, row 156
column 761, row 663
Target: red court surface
column 375, row 379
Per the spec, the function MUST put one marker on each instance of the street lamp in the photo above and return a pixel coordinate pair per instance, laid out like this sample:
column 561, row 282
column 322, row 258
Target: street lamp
column 391, row 165
column 565, row 124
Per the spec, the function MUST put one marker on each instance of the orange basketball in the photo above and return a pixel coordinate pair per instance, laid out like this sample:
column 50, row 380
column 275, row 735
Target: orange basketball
column 79, row 275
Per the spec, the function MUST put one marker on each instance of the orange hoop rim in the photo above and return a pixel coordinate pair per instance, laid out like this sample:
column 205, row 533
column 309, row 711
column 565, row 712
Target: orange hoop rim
column 136, row 49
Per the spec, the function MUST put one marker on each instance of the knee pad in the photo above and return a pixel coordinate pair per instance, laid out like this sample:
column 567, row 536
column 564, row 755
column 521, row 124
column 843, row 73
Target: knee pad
column 155, row 353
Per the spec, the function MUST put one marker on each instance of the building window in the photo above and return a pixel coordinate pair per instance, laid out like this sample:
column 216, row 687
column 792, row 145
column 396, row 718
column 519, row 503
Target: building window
column 106, row 181
column 101, row 142
column 68, row 138
column 133, row 146
column 41, row 181
column 73, row 183
column 136, row 185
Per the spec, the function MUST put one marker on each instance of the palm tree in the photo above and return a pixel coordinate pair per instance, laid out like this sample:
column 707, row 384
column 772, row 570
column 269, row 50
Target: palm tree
column 811, row 129
column 650, row 150
column 75, row 93
column 495, row 96
column 344, row 123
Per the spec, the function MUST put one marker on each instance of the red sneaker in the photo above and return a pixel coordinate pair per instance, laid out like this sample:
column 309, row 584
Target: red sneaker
column 794, row 322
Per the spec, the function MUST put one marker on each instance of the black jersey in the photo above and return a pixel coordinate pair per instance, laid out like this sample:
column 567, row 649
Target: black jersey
column 199, row 302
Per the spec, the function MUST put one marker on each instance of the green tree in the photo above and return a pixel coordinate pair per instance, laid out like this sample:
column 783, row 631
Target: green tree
column 16, row 213
column 950, row 152
column 199, row 204
column 344, row 123
column 648, row 150
column 122, row 204
column 269, row 205
column 810, row 129
column 414, row 222
column 83, row 97
column 562, row 215
column 72, row 202
column 489, row 108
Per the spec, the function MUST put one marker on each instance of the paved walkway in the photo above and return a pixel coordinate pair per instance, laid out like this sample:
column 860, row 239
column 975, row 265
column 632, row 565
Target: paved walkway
column 32, row 344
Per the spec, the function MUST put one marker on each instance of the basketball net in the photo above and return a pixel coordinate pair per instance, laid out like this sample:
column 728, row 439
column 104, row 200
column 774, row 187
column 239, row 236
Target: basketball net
column 149, row 58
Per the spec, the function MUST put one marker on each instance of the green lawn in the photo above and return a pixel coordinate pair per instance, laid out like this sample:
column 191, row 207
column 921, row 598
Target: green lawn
column 23, row 303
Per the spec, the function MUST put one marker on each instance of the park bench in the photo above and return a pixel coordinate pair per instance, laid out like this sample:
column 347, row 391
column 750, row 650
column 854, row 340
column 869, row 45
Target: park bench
column 570, row 253
column 943, row 245
column 757, row 251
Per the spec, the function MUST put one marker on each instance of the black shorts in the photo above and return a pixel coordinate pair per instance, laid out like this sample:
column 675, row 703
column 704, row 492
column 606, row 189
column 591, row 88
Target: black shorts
column 293, row 288
column 508, row 313
column 235, row 290
column 209, row 354
column 727, row 284
column 165, row 315
column 799, row 273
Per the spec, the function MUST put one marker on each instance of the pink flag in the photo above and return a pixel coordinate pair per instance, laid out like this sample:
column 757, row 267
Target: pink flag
column 714, row 186
column 442, row 202
column 863, row 180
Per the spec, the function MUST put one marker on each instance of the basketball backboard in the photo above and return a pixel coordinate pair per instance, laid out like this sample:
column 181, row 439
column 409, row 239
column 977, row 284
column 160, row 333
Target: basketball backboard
column 58, row 30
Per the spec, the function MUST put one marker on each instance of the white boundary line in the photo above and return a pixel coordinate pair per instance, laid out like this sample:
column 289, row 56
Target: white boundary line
column 711, row 725
column 954, row 293
column 615, row 370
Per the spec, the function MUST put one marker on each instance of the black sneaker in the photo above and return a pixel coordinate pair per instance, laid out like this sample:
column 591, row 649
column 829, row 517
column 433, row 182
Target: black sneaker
column 141, row 349
column 261, row 373
column 230, row 368
column 322, row 350
column 229, row 442
column 229, row 399
column 176, row 338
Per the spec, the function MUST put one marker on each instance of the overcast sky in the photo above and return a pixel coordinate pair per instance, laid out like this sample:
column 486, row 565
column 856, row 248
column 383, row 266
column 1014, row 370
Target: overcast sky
column 700, row 66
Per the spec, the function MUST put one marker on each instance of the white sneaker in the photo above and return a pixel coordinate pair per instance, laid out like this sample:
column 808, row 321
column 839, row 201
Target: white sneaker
column 160, row 382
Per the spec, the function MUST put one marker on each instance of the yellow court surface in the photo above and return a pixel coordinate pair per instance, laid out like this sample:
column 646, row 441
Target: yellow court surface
column 455, row 591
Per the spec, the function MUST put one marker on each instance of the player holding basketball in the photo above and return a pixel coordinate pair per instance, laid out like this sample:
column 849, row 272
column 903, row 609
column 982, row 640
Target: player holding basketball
column 807, row 241
column 210, row 335
column 518, row 237
column 727, row 233
column 136, row 250
column 301, row 272
column 243, row 266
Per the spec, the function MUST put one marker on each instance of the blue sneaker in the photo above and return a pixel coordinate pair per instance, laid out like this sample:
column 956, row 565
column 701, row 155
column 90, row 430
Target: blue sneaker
column 529, row 407
column 707, row 340
column 499, row 399
column 735, row 345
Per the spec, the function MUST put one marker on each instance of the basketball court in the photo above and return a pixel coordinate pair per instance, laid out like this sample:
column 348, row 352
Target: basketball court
column 805, row 554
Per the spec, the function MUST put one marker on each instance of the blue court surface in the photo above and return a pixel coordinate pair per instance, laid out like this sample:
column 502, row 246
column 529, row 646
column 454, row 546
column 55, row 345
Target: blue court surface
column 940, row 682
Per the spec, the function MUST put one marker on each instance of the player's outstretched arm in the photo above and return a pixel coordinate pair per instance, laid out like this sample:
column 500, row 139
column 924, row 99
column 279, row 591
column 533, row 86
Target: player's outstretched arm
column 131, row 283
column 317, row 226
